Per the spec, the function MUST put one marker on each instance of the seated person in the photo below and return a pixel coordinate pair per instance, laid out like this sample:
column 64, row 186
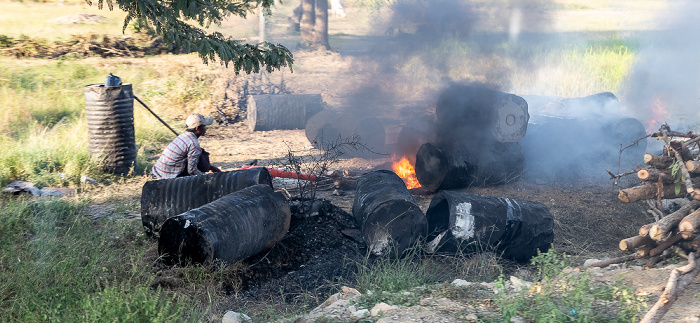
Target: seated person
column 183, row 156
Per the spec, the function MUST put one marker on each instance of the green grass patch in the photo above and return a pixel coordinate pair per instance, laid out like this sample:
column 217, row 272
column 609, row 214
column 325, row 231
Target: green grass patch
column 38, row 94
column 57, row 264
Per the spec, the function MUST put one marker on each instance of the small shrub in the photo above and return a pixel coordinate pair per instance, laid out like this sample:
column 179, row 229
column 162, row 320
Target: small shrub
column 572, row 297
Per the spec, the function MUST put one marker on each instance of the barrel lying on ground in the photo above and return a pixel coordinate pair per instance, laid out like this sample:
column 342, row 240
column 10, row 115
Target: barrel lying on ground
column 481, row 113
column 110, row 119
column 600, row 104
column 352, row 135
column 161, row 199
column 464, row 164
column 232, row 228
column 281, row 111
column 389, row 217
column 516, row 228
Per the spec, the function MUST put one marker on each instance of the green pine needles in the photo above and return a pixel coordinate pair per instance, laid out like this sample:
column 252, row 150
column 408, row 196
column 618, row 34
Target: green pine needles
column 170, row 19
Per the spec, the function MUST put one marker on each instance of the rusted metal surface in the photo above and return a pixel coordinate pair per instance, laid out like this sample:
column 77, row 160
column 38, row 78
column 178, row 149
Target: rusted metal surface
column 514, row 228
column 231, row 228
column 281, row 111
column 387, row 214
column 110, row 119
column 161, row 199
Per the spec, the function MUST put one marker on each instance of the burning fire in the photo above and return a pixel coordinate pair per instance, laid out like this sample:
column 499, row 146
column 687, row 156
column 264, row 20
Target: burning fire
column 405, row 170
column 658, row 112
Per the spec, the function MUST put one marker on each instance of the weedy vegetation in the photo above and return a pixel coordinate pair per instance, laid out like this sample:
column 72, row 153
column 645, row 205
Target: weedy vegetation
column 566, row 296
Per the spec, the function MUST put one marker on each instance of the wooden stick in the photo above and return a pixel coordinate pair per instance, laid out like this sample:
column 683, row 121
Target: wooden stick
column 605, row 263
column 660, row 162
column 679, row 279
column 662, row 227
column 665, row 245
column 689, row 224
column 636, row 242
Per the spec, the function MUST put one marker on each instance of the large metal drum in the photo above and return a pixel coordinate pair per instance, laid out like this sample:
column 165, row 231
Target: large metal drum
column 110, row 119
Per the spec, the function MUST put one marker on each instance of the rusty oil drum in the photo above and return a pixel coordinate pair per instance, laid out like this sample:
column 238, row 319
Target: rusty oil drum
column 110, row 120
column 231, row 228
column 161, row 199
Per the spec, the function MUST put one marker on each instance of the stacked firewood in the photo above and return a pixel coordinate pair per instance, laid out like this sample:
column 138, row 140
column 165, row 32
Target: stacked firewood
column 673, row 174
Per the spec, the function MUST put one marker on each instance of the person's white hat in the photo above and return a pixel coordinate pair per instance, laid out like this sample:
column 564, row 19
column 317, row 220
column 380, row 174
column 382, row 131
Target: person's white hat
column 197, row 120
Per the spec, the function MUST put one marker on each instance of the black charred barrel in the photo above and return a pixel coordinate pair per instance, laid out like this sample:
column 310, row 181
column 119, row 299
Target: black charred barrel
column 413, row 134
column 110, row 120
column 161, row 199
column 231, row 228
column 281, row 111
column 388, row 216
column 516, row 228
column 468, row 163
column 465, row 110
column 329, row 130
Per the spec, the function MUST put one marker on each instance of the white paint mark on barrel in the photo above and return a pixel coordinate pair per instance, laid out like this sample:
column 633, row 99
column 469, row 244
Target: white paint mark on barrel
column 464, row 221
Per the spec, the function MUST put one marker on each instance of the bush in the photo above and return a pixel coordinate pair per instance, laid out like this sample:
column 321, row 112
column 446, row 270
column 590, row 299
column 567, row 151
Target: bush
column 568, row 297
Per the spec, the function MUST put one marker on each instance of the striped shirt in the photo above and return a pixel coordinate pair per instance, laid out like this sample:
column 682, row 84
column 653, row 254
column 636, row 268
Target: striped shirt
column 183, row 152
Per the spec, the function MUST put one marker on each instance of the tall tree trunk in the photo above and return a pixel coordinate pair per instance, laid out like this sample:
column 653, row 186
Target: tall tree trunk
column 308, row 20
column 321, row 26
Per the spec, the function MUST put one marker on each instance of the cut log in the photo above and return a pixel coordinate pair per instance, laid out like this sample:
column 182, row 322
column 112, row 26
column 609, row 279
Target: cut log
column 649, row 191
column 643, row 252
column 660, row 162
column 661, row 228
column 693, row 166
column 679, row 279
column 484, row 113
column 636, row 242
column 281, row 111
column 689, row 224
column 644, row 230
column 665, row 245
column 464, row 164
column 691, row 245
column 683, row 150
column 517, row 229
column 653, row 175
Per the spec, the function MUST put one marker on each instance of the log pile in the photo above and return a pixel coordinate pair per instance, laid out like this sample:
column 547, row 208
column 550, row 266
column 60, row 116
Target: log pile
column 673, row 174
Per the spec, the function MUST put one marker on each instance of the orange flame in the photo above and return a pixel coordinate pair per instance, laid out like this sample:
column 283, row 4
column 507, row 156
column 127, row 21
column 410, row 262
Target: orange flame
column 405, row 170
column 658, row 113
